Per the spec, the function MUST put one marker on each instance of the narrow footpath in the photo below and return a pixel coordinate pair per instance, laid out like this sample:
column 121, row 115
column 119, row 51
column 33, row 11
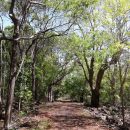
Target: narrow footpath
column 68, row 116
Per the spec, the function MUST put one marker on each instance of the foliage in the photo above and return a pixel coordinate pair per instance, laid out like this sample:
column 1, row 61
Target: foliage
column 64, row 48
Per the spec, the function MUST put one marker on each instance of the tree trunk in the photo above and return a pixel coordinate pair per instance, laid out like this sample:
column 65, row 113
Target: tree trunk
column 113, row 98
column 9, row 103
column 82, row 96
column 95, row 98
column 1, row 60
column 19, row 97
column 36, row 91
column 0, row 99
column 49, row 89
column 33, row 82
column 13, row 66
column 50, row 94
column 11, row 86
column 96, row 90
column 123, row 109
column 34, row 51
column 19, row 105
column 4, row 76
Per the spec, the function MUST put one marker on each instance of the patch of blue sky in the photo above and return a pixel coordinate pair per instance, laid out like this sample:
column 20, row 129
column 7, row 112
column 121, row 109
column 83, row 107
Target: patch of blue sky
column 5, row 21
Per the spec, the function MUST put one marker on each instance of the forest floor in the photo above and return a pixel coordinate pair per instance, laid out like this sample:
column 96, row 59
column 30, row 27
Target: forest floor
column 62, row 116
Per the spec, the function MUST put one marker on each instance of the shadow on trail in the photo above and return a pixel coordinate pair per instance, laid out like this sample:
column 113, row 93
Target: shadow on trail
column 71, row 121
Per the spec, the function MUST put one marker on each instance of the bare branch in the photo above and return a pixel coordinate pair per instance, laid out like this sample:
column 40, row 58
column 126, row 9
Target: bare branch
column 86, row 61
column 36, row 2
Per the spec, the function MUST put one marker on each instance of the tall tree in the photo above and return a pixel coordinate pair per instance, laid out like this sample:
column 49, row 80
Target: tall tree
column 19, row 14
column 123, row 67
column 99, row 43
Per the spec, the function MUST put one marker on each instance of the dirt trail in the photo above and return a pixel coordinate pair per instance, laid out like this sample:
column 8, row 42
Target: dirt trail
column 69, row 116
